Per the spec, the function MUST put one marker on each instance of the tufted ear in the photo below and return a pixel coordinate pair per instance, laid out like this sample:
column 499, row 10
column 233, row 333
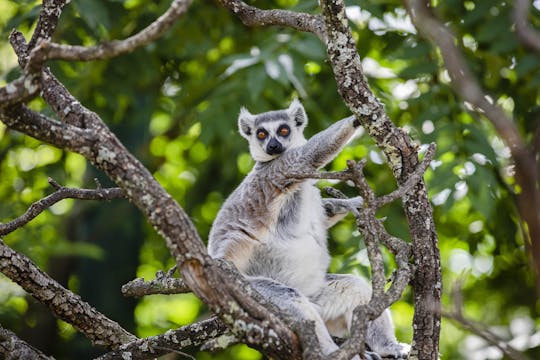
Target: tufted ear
column 245, row 122
column 297, row 113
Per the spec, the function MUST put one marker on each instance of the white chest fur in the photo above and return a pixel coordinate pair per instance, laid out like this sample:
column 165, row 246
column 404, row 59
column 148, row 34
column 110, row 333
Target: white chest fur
column 295, row 252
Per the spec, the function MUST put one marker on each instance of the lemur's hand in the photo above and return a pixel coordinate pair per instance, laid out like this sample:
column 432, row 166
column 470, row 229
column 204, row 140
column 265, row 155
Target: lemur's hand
column 356, row 202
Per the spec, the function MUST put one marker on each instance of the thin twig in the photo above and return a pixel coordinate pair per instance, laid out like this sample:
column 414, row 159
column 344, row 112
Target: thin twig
column 478, row 329
column 252, row 16
column 61, row 193
column 166, row 286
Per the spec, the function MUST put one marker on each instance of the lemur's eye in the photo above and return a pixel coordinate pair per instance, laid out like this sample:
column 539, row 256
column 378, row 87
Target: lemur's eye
column 261, row 134
column 284, row 130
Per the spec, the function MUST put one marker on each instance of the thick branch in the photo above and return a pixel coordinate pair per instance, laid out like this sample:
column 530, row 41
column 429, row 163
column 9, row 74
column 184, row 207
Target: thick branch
column 413, row 179
column 526, row 33
column 61, row 193
column 62, row 135
column 467, row 87
column 63, row 303
column 13, row 348
column 172, row 341
column 19, row 90
column 462, row 80
column 252, row 16
column 47, row 50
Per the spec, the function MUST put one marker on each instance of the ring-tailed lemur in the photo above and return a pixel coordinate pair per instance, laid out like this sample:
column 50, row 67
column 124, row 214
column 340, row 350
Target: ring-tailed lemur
column 273, row 228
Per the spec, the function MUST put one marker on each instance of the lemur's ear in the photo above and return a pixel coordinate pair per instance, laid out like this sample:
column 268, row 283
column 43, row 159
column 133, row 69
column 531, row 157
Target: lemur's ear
column 245, row 122
column 297, row 113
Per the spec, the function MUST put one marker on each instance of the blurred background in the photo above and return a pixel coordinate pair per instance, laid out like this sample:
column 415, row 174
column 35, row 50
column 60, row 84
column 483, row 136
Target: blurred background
column 174, row 104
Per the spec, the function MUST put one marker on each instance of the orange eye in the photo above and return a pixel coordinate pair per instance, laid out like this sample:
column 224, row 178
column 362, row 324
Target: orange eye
column 284, row 131
column 261, row 134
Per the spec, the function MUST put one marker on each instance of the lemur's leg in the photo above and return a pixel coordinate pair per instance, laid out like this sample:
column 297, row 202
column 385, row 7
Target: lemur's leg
column 337, row 209
column 337, row 302
column 297, row 306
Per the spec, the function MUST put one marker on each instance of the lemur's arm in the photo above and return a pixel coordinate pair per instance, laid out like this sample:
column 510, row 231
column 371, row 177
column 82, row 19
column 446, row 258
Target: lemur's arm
column 337, row 209
column 324, row 146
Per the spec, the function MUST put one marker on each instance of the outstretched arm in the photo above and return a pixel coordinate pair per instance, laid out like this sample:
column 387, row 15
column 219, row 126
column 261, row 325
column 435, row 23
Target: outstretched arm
column 321, row 148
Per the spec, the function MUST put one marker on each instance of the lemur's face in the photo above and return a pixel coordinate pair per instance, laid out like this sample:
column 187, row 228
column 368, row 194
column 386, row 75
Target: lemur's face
column 274, row 132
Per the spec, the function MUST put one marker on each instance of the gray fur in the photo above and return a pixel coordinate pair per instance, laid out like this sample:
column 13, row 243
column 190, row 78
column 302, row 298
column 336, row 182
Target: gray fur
column 273, row 228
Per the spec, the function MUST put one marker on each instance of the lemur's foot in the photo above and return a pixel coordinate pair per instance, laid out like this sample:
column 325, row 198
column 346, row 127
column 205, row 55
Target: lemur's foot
column 396, row 351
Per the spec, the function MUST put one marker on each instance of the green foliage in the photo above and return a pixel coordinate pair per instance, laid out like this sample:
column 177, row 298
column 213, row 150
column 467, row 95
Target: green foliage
column 174, row 104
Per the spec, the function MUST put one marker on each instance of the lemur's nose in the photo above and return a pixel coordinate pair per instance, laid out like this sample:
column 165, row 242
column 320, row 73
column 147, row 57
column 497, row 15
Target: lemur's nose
column 274, row 147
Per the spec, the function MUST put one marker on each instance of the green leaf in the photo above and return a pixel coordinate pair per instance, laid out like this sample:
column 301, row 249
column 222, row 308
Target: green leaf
column 417, row 70
column 94, row 13
column 527, row 64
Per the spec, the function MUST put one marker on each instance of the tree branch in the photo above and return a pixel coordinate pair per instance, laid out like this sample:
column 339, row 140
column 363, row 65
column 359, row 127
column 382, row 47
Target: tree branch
column 47, row 20
column 63, row 303
column 46, row 50
column 252, row 16
column 22, row 89
column 65, row 136
column 162, row 284
column 26, row 87
column 61, row 193
column 526, row 33
column 364, row 189
column 478, row 329
column 374, row 234
column 413, row 179
column 13, row 348
column 467, row 87
column 173, row 340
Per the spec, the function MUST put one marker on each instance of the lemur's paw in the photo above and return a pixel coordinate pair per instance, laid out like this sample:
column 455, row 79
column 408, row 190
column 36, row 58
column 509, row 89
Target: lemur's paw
column 356, row 202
